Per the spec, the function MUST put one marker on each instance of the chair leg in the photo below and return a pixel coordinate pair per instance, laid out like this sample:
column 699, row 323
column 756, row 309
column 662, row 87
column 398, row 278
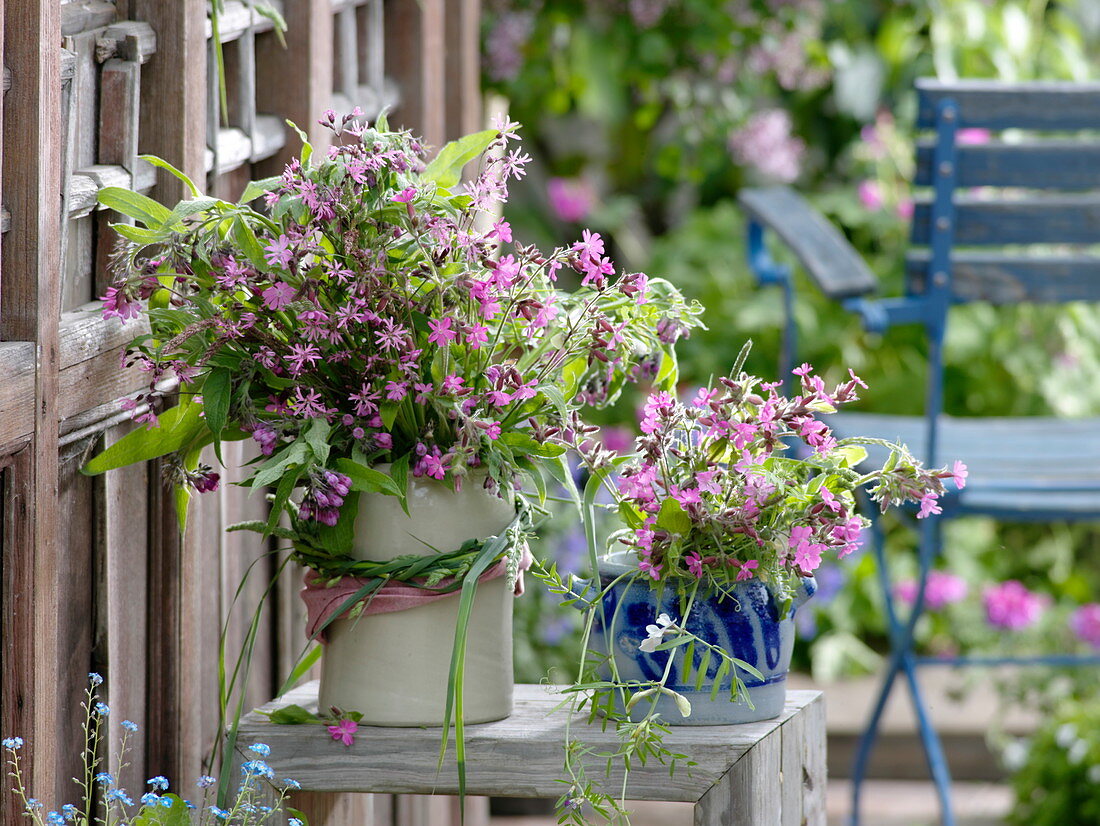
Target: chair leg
column 933, row 748
column 869, row 735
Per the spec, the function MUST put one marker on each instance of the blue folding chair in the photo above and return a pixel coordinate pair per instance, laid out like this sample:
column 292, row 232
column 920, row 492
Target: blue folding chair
column 1004, row 250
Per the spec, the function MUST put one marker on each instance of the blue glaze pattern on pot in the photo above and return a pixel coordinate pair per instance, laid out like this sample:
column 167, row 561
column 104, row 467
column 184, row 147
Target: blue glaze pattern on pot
column 746, row 625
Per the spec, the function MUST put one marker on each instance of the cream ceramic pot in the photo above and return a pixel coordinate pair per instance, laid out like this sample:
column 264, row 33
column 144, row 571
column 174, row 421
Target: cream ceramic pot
column 393, row 667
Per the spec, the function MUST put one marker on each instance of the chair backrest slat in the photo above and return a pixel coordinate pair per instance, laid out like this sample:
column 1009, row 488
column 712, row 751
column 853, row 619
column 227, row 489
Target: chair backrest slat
column 1057, row 164
column 989, row 104
column 1061, row 219
column 1000, row 278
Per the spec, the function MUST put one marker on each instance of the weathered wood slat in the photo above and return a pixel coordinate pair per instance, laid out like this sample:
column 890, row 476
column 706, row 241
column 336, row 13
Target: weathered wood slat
column 86, row 14
column 990, row 104
column 296, row 82
column 237, row 18
column 519, row 756
column 1052, row 219
column 1001, row 278
column 16, row 391
column 5, row 219
column 85, row 184
column 346, row 36
column 123, row 566
column 829, row 259
column 235, row 148
column 131, row 40
column 415, row 35
column 119, row 94
column 30, row 303
column 463, row 68
column 1062, row 164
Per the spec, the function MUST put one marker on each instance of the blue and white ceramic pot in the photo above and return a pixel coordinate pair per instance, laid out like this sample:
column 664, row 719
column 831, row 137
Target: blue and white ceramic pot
column 747, row 626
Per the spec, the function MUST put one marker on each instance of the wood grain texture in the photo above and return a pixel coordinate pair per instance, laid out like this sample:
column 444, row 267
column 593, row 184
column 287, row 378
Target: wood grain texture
column 415, row 32
column 1051, row 219
column 462, row 52
column 1007, row 278
column 122, row 539
column 173, row 83
column 296, row 82
column 17, row 367
column 750, row 792
column 1052, row 164
column 990, row 104
column 829, row 259
column 520, row 756
column 30, row 301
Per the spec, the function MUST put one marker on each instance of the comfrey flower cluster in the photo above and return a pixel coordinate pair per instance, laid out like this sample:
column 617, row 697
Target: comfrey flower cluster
column 716, row 493
column 376, row 313
column 105, row 801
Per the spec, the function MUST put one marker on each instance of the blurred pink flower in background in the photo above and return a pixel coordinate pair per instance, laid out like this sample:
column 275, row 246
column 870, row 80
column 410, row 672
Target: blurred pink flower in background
column 1085, row 623
column 905, row 209
column 972, row 136
column 870, row 194
column 570, row 198
column 1010, row 605
column 504, row 44
column 766, row 144
column 943, row 589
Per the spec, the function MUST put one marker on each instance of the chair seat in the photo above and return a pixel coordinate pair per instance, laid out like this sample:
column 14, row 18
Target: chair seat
column 1020, row 469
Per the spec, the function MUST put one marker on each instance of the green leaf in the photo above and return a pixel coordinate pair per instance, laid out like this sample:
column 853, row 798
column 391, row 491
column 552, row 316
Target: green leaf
column 388, row 413
column 291, row 715
column 277, row 465
column 307, row 662
column 673, row 518
column 278, row 504
column 176, row 429
column 185, row 209
column 669, row 373
column 257, row 188
column 687, row 662
column 852, row 455
column 523, row 443
column 246, row 239
column 167, row 167
column 135, row 205
column 139, row 235
column 182, row 496
column 368, row 480
column 316, row 437
column 216, row 393
column 307, row 147
column 704, row 666
column 723, row 672
column 339, row 538
column 571, row 375
column 446, row 169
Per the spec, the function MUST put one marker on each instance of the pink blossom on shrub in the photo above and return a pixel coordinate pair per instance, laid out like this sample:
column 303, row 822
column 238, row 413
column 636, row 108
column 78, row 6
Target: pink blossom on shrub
column 1012, row 606
column 870, row 195
column 766, row 144
column 571, row 199
column 1085, row 623
column 942, row 589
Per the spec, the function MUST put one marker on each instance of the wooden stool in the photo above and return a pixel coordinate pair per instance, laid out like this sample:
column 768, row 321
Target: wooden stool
column 758, row 774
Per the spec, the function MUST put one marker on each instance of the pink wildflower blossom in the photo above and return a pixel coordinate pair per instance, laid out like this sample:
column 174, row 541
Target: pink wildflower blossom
column 278, row 253
column 571, row 199
column 405, row 196
column 278, row 295
column 1085, row 623
column 1012, row 606
column 441, row 334
column 942, row 589
column 747, row 569
column 344, row 731
column 928, row 506
column 694, row 564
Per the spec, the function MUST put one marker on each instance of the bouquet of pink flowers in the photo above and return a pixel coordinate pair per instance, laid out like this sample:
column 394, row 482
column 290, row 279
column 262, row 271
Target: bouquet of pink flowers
column 743, row 482
column 374, row 313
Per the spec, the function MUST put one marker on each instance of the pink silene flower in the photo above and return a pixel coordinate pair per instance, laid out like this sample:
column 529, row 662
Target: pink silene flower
column 344, row 731
column 117, row 304
column 928, row 505
column 501, row 230
column 302, row 355
column 807, row 555
column 747, row 569
column 959, row 474
column 851, row 532
column 687, row 497
column 477, row 335
column 705, row 481
column 423, row 391
column 571, row 199
column 657, row 405
column 767, row 144
column 433, row 466
column 396, row 390
column 647, row 567
column 803, row 369
column 278, row 295
column 278, row 253
column 441, row 332
column 452, row 384
column 694, row 564
column 942, row 589
column 308, row 405
column 831, row 502
column 384, row 441
column 590, row 245
column 870, row 195
column 1085, row 623
column 1012, row 606
column 405, row 196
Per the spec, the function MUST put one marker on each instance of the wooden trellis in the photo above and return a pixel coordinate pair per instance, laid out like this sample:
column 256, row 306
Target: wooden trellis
column 94, row 574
